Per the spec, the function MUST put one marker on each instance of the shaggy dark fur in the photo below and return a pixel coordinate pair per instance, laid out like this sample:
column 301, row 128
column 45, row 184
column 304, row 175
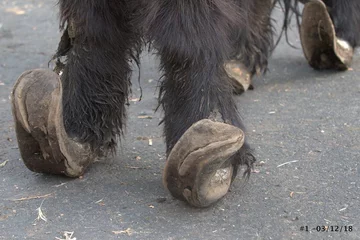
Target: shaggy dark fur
column 194, row 38
column 193, row 45
column 346, row 18
column 252, row 44
column 96, row 78
column 345, row 15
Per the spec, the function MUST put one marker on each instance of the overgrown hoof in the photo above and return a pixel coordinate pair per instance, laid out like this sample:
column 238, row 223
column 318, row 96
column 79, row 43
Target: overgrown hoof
column 321, row 47
column 43, row 142
column 198, row 169
column 239, row 75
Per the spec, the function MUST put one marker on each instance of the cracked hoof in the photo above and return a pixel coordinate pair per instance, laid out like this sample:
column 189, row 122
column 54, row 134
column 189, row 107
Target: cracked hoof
column 321, row 47
column 198, row 168
column 43, row 142
column 239, row 75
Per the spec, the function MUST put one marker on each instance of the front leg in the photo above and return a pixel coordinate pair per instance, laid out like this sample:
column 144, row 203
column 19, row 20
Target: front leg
column 203, row 131
column 64, row 122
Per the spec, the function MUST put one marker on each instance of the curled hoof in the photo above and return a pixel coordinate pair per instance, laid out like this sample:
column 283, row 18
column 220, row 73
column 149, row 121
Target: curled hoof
column 43, row 142
column 198, row 169
column 239, row 75
column 321, row 47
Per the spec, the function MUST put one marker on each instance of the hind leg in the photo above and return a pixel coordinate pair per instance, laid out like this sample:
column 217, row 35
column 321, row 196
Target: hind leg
column 345, row 15
column 64, row 123
column 329, row 33
column 251, row 46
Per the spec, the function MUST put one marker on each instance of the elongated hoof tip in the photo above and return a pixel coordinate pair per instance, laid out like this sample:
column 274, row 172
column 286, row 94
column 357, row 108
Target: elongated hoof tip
column 43, row 142
column 198, row 169
column 239, row 75
column 321, row 47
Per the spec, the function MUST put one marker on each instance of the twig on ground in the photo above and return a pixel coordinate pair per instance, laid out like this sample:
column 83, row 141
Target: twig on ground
column 41, row 215
column 31, row 197
column 68, row 236
column 59, row 185
column 287, row 163
column 3, row 163
column 128, row 231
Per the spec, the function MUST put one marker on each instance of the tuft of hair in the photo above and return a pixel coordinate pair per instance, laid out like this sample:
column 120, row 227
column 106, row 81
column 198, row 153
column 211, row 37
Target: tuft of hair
column 96, row 77
column 291, row 9
column 346, row 18
column 253, row 43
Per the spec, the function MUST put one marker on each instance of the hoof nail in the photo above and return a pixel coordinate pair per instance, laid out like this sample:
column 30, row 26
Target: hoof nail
column 198, row 169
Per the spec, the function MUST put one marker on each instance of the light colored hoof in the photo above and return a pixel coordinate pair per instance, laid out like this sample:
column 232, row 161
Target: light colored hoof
column 43, row 142
column 198, row 168
column 321, row 47
column 239, row 75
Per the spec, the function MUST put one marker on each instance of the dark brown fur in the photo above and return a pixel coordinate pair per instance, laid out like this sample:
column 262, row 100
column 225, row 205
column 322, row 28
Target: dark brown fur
column 346, row 18
column 194, row 38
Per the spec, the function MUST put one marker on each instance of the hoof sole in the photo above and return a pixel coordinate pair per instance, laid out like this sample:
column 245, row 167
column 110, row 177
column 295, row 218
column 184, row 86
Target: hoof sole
column 43, row 142
column 198, row 169
column 321, row 47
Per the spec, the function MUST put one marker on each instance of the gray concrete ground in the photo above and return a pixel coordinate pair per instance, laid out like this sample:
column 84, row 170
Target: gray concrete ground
column 295, row 115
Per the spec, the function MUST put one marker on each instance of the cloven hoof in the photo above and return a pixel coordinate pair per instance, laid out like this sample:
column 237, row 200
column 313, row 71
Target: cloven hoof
column 43, row 143
column 321, row 47
column 198, row 168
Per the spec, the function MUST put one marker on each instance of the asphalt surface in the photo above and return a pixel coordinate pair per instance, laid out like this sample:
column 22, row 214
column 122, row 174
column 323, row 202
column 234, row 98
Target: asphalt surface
column 295, row 115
